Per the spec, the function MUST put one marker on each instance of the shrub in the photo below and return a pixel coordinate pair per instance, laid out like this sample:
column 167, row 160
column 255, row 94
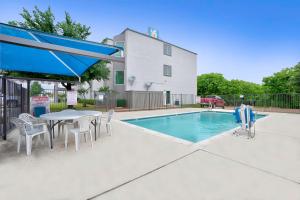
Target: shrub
column 56, row 107
column 87, row 101
column 104, row 89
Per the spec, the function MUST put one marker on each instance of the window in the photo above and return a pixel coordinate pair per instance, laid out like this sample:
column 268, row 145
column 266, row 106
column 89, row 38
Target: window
column 167, row 49
column 119, row 78
column 167, row 70
column 119, row 53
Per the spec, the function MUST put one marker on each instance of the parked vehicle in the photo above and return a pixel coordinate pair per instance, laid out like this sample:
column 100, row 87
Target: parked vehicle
column 213, row 100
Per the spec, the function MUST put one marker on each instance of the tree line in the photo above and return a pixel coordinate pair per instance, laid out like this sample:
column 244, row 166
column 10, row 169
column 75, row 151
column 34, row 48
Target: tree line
column 285, row 81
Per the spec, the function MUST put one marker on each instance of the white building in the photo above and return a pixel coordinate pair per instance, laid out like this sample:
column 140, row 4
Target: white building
column 152, row 64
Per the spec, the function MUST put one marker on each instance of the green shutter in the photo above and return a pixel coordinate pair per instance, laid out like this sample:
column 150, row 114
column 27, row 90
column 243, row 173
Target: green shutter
column 119, row 77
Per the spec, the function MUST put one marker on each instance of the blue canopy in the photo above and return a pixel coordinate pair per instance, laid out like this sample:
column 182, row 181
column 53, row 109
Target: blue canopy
column 14, row 57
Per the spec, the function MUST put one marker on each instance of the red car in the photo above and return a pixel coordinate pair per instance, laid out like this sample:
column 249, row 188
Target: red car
column 214, row 100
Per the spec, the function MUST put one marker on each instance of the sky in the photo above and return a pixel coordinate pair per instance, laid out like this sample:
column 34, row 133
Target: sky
column 245, row 40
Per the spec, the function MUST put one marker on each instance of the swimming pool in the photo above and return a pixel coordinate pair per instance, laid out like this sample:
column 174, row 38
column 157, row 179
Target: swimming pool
column 193, row 127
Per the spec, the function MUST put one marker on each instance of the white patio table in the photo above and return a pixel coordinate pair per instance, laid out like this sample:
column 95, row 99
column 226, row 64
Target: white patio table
column 56, row 117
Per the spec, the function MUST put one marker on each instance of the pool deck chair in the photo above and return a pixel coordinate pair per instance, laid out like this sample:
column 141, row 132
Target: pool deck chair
column 83, row 129
column 29, row 130
column 245, row 117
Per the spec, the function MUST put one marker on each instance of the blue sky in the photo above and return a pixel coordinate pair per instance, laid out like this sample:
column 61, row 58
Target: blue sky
column 240, row 39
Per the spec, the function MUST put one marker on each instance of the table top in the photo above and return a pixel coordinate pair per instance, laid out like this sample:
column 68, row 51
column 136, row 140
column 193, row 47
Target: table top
column 70, row 114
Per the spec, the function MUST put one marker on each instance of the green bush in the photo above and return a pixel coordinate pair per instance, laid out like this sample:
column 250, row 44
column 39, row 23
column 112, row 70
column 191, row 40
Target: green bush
column 56, row 107
column 121, row 102
column 87, row 101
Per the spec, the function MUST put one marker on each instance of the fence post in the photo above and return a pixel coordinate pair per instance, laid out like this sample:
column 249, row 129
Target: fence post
column 4, row 108
column 181, row 100
column 22, row 101
column 149, row 101
column 107, row 100
column 165, row 99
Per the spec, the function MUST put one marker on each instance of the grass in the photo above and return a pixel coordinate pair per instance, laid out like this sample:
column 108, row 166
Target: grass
column 56, row 107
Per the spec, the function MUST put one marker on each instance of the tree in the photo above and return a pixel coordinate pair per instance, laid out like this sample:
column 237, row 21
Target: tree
column 296, row 78
column 280, row 82
column 38, row 20
column 45, row 21
column 98, row 72
column 212, row 83
column 82, row 92
column 70, row 28
column 104, row 89
column 243, row 87
column 36, row 89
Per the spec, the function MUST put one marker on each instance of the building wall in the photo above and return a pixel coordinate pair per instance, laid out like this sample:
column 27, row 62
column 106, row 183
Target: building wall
column 112, row 67
column 118, row 66
column 145, row 60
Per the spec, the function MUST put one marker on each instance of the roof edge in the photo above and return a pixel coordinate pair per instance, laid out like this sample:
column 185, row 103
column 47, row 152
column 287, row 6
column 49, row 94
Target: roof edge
column 129, row 29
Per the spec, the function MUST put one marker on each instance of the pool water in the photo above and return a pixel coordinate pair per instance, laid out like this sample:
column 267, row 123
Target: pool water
column 193, row 127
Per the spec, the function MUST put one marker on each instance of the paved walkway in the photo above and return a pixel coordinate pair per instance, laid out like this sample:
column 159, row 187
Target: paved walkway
column 135, row 164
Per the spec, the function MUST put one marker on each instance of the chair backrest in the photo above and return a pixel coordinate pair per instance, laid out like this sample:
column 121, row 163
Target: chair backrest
column 110, row 115
column 84, row 123
column 25, row 127
column 98, row 119
column 27, row 117
column 19, row 123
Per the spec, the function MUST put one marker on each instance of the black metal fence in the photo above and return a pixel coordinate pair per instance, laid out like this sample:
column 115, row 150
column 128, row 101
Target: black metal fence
column 58, row 98
column 13, row 101
column 266, row 102
column 142, row 100
column 129, row 100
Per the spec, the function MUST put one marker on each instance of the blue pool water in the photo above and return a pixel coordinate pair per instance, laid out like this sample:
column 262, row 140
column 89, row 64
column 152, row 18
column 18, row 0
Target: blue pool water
column 193, row 127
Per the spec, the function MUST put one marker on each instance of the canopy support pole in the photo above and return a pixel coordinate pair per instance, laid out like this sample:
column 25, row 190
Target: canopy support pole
column 28, row 96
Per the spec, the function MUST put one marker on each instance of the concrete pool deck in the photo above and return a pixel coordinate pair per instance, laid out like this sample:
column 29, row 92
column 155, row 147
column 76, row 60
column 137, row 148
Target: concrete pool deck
column 135, row 164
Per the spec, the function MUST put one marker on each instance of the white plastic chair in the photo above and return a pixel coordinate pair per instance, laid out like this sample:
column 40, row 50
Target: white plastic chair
column 61, row 125
column 30, row 118
column 29, row 130
column 108, row 122
column 98, row 123
column 83, row 128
